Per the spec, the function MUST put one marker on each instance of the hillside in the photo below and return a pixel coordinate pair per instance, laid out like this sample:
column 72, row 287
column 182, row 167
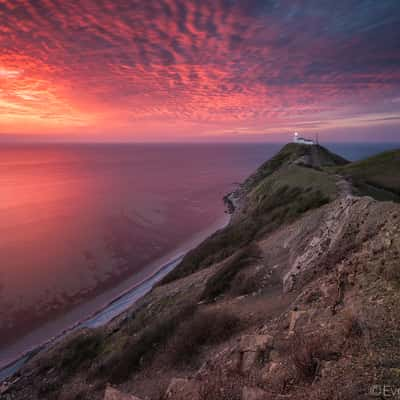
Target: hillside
column 376, row 176
column 298, row 297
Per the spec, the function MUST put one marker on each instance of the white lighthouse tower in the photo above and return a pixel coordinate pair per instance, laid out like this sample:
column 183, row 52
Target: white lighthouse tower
column 299, row 140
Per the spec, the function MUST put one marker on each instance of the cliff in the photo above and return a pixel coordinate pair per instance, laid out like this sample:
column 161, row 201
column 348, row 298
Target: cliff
column 298, row 297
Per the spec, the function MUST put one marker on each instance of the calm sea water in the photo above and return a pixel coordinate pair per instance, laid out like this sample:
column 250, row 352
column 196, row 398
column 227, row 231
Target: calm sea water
column 77, row 220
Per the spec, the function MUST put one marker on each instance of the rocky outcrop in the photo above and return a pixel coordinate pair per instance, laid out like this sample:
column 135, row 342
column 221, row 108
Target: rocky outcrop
column 251, row 349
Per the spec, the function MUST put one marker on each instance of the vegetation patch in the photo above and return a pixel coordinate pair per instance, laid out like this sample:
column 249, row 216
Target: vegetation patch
column 221, row 281
column 377, row 176
column 142, row 347
column 80, row 351
column 204, row 328
column 306, row 353
column 353, row 328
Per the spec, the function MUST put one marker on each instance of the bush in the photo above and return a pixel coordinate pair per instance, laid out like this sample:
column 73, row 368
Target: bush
column 216, row 248
column 141, row 348
column 221, row 281
column 352, row 327
column 205, row 328
column 80, row 352
column 245, row 283
column 306, row 354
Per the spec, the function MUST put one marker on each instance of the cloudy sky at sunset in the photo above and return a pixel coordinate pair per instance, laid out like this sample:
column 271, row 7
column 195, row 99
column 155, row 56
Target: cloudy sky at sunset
column 151, row 70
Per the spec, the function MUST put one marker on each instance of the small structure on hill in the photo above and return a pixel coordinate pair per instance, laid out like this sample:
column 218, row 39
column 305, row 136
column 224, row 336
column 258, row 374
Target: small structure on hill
column 299, row 140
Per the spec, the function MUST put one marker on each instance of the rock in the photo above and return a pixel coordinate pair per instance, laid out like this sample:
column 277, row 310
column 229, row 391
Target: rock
column 248, row 361
column 274, row 355
column 326, row 368
column 255, row 342
column 114, row 394
column 387, row 243
column 253, row 393
column 276, row 376
column 269, row 369
column 182, row 389
column 294, row 318
column 253, row 349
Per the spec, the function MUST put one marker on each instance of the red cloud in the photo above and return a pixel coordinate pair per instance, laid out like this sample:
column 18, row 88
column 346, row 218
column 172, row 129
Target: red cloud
column 118, row 66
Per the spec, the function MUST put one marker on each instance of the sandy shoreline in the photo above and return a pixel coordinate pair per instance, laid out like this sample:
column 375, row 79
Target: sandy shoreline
column 102, row 309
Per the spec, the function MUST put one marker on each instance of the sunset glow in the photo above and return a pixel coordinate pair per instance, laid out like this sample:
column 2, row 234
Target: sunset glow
column 198, row 70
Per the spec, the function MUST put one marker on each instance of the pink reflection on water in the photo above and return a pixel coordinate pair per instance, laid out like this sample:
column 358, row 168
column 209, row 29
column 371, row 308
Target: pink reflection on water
column 76, row 220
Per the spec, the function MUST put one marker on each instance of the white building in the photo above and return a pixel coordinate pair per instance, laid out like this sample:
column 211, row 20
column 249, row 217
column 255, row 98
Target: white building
column 300, row 140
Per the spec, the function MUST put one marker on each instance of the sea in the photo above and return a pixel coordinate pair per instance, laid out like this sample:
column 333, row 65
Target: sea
column 82, row 223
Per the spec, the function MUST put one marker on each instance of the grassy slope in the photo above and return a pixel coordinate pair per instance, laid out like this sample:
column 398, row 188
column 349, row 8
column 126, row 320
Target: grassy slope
column 278, row 193
column 377, row 176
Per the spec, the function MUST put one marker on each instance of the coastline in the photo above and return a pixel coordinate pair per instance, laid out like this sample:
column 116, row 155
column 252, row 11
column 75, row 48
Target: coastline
column 114, row 302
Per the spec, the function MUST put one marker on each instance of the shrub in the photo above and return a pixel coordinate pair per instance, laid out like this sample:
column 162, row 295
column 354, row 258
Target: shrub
column 352, row 327
column 204, row 328
column 218, row 283
column 142, row 347
column 305, row 354
column 80, row 351
column 216, row 248
column 245, row 284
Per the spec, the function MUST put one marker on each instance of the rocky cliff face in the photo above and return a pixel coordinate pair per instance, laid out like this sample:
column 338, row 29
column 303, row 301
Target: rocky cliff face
column 297, row 298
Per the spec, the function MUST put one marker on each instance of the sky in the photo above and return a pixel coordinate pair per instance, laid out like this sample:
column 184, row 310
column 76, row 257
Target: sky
column 207, row 70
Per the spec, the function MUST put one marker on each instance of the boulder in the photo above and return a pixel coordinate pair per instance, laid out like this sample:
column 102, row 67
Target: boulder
column 253, row 349
column 114, row 394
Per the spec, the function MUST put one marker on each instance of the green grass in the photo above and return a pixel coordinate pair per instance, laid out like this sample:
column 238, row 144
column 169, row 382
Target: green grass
column 287, row 154
column 80, row 351
column 205, row 328
column 140, row 348
column 220, row 282
column 377, row 176
column 297, row 176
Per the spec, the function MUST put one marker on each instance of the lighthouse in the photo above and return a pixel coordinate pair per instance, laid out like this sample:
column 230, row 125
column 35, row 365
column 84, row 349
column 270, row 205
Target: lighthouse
column 299, row 140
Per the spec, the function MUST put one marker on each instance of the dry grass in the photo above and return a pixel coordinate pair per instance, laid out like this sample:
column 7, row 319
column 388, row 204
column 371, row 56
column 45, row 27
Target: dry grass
column 221, row 386
column 391, row 272
column 141, row 347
